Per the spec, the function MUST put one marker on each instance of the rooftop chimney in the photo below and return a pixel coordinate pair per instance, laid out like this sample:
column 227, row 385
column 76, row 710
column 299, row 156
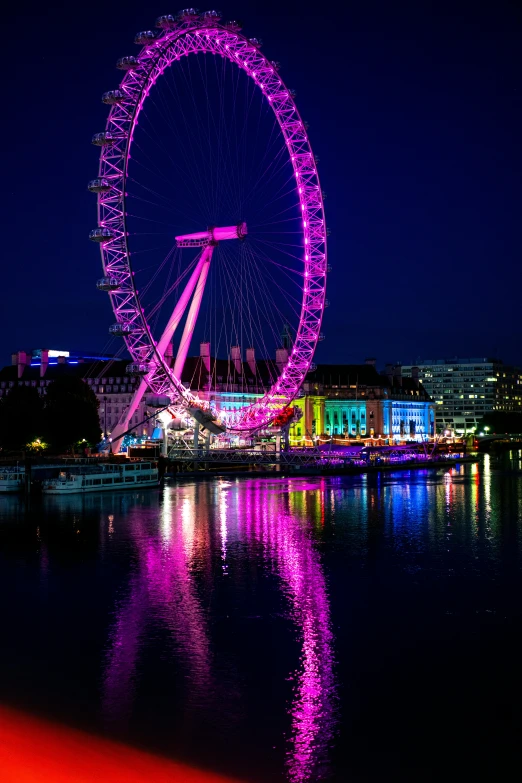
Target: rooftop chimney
column 204, row 352
column 415, row 375
column 251, row 360
column 281, row 358
column 21, row 359
column 235, row 356
column 389, row 373
column 44, row 362
column 371, row 361
column 397, row 374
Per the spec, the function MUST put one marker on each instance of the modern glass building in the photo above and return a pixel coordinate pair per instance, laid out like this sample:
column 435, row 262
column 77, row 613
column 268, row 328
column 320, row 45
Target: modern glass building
column 463, row 390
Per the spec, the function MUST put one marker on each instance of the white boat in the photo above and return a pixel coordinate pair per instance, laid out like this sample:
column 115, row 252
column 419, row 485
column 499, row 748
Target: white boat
column 102, row 478
column 12, row 479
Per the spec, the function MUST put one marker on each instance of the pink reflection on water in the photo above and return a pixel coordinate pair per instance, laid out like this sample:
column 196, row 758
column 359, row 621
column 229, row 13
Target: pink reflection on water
column 275, row 518
column 163, row 591
column 288, row 542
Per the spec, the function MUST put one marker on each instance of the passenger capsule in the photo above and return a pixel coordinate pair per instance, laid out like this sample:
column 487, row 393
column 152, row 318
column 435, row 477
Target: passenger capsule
column 320, row 337
column 210, row 17
column 101, row 235
column 99, row 185
column 292, row 93
column 122, row 330
column 127, row 63
column 113, row 96
column 327, row 303
column 328, row 267
column 275, row 65
column 105, row 139
column 189, row 14
column 145, row 37
column 138, row 369
column 257, row 42
column 312, row 368
column 157, row 401
column 234, row 26
column 107, row 284
column 166, row 22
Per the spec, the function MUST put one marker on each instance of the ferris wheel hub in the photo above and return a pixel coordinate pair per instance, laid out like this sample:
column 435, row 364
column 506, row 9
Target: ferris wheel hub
column 212, row 235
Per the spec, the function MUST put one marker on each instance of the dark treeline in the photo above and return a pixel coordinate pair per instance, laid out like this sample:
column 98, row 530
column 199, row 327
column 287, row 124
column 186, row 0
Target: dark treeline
column 499, row 423
column 64, row 418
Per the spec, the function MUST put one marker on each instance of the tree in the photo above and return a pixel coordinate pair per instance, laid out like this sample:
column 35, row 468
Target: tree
column 499, row 422
column 20, row 417
column 71, row 414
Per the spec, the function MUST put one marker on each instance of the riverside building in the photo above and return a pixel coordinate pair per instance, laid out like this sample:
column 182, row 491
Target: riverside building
column 339, row 401
column 354, row 401
column 464, row 390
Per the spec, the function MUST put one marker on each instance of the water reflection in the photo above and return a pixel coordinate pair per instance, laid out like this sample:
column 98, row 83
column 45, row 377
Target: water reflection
column 287, row 541
column 205, row 614
column 162, row 590
column 165, row 588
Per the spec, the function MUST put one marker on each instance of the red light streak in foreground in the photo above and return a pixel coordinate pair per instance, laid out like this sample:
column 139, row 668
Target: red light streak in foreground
column 35, row 751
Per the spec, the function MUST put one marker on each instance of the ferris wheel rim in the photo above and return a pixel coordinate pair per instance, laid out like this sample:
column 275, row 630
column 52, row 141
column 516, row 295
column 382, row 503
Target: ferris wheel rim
column 143, row 71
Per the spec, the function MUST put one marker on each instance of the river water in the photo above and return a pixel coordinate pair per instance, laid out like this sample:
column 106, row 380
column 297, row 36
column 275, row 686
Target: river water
column 361, row 628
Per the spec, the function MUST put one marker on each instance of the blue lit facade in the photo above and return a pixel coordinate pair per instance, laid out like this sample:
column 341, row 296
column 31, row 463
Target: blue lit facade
column 361, row 403
column 345, row 417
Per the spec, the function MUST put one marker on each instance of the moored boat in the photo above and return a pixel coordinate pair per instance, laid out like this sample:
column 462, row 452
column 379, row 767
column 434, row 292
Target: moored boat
column 12, row 479
column 102, row 478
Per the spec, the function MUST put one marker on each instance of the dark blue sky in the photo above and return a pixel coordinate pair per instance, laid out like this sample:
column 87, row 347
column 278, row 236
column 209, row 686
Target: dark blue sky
column 415, row 111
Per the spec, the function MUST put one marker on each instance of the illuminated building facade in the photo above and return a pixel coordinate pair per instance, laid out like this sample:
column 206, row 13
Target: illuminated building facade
column 464, row 390
column 355, row 401
column 344, row 401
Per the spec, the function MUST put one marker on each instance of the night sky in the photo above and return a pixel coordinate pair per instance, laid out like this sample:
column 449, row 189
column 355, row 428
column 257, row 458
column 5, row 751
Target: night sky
column 415, row 111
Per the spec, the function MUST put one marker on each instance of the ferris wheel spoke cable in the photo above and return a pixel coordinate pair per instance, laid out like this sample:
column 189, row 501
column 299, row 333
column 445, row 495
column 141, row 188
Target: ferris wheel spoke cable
column 191, row 166
column 161, row 146
column 264, row 286
column 174, row 286
column 274, row 168
column 164, row 297
column 274, row 153
column 289, row 219
column 193, row 135
column 291, row 279
column 256, row 318
column 291, row 273
column 225, row 152
column 208, row 135
column 264, row 304
column 191, row 161
column 278, row 246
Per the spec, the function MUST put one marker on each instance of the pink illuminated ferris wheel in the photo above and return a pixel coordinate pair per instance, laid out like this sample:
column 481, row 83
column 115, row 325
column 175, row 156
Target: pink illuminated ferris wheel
column 211, row 224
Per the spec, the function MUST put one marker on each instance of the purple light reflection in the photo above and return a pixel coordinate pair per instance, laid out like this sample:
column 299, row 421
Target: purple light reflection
column 232, row 523
column 288, row 543
column 162, row 591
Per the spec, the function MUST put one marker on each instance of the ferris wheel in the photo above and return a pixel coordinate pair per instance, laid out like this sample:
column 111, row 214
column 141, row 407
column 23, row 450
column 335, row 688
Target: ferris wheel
column 211, row 224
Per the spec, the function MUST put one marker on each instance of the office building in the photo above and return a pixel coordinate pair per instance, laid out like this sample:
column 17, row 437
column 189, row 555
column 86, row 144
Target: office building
column 464, row 390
